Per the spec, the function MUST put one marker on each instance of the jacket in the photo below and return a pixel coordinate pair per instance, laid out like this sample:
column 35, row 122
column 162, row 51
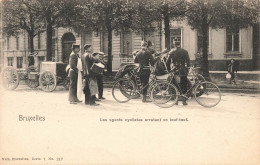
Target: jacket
column 180, row 58
column 88, row 61
column 144, row 58
column 73, row 62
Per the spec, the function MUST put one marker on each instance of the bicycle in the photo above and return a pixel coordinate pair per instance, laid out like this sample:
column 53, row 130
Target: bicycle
column 206, row 93
column 125, row 89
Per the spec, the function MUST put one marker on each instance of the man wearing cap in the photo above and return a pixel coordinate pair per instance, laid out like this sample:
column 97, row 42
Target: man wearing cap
column 145, row 59
column 90, row 85
column 181, row 61
column 100, row 77
column 73, row 74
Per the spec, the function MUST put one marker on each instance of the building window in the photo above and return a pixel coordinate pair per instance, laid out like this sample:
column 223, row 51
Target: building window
column 232, row 39
column 104, row 42
column 176, row 35
column 149, row 35
column 17, row 43
column 19, row 62
column 87, row 38
column 39, row 40
column 8, row 46
column 126, row 42
column 10, row 61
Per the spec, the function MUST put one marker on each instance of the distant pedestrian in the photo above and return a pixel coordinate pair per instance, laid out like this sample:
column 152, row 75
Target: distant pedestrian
column 232, row 68
column 73, row 74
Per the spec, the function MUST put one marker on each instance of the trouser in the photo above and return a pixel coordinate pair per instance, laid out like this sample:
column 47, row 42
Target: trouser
column 73, row 87
column 88, row 98
column 182, row 86
column 184, row 83
column 232, row 77
column 100, row 85
column 144, row 78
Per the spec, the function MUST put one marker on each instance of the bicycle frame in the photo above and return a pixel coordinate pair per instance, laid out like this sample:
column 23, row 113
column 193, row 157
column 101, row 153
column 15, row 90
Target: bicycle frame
column 139, row 87
column 191, row 89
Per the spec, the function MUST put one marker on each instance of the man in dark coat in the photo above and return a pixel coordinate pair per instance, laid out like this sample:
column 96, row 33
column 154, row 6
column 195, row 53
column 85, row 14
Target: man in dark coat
column 73, row 74
column 100, row 77
column 90, row 85
column 181, row 61
column 145, row 59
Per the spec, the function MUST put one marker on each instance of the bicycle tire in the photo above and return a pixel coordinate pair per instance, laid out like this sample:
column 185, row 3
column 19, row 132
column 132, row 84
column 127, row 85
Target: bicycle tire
column 123, row 90
column 210, row 96
column 164, row 95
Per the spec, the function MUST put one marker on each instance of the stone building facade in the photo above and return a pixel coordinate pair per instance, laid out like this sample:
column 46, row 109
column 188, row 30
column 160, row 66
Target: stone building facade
column 241, row 44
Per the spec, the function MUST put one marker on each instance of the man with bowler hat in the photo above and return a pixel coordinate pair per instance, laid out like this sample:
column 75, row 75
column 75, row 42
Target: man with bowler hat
column 73, row 74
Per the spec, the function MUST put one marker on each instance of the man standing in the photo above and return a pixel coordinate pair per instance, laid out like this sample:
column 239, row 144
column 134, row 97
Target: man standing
column 73, row 74
column 100, row 77
column 145, row 59
column 181, row 61
column 90, row 85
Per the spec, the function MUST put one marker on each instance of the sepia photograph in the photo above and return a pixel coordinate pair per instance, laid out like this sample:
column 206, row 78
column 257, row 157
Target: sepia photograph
column 130, row 82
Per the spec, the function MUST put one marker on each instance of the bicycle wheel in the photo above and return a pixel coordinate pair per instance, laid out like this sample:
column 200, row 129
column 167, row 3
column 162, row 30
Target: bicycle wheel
column 123, row 90
column 201, row 79
column 164, row 94
column 210, row 94
column 151, row 86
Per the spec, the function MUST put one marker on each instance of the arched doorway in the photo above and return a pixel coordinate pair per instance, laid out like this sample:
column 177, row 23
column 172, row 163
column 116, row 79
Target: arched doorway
column 67, row 40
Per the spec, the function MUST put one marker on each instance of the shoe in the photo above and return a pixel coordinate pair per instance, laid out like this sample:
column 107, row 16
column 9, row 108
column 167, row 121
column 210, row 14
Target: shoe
column 73, row 102
column 176, row 103
column 184, row 103
column 102, row 98
column 98, row 100
column 86, row 103
column 78, row 101
column 95, row 104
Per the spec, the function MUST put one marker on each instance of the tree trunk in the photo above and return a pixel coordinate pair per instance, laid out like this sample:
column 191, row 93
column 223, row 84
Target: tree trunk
column 109, row 62
column 167, row 28
column 31, row 34
column 49, row 38
column 205, row 61
column 31, row 43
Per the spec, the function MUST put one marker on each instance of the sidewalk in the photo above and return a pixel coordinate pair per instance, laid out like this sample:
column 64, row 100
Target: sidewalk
column 246, row 81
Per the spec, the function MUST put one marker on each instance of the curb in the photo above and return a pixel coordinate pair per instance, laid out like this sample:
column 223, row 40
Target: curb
column 222, row 87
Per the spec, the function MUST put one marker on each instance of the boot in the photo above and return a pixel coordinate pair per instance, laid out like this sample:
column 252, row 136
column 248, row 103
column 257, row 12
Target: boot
column 184, row 102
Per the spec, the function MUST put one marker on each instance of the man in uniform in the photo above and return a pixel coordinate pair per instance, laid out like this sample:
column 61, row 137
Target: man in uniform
column 145, row 59
column 180, row 60
column 73, row 74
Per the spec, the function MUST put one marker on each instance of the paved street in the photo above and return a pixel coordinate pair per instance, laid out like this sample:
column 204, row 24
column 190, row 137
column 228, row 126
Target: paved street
column 128, row 133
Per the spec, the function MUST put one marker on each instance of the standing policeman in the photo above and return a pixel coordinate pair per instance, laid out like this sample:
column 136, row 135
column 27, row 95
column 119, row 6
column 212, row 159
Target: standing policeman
column 73, row 74
column 181, row 60
column 145, row 59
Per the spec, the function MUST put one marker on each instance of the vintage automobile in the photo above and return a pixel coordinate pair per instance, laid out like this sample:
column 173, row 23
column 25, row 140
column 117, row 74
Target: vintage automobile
column 48, row 75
